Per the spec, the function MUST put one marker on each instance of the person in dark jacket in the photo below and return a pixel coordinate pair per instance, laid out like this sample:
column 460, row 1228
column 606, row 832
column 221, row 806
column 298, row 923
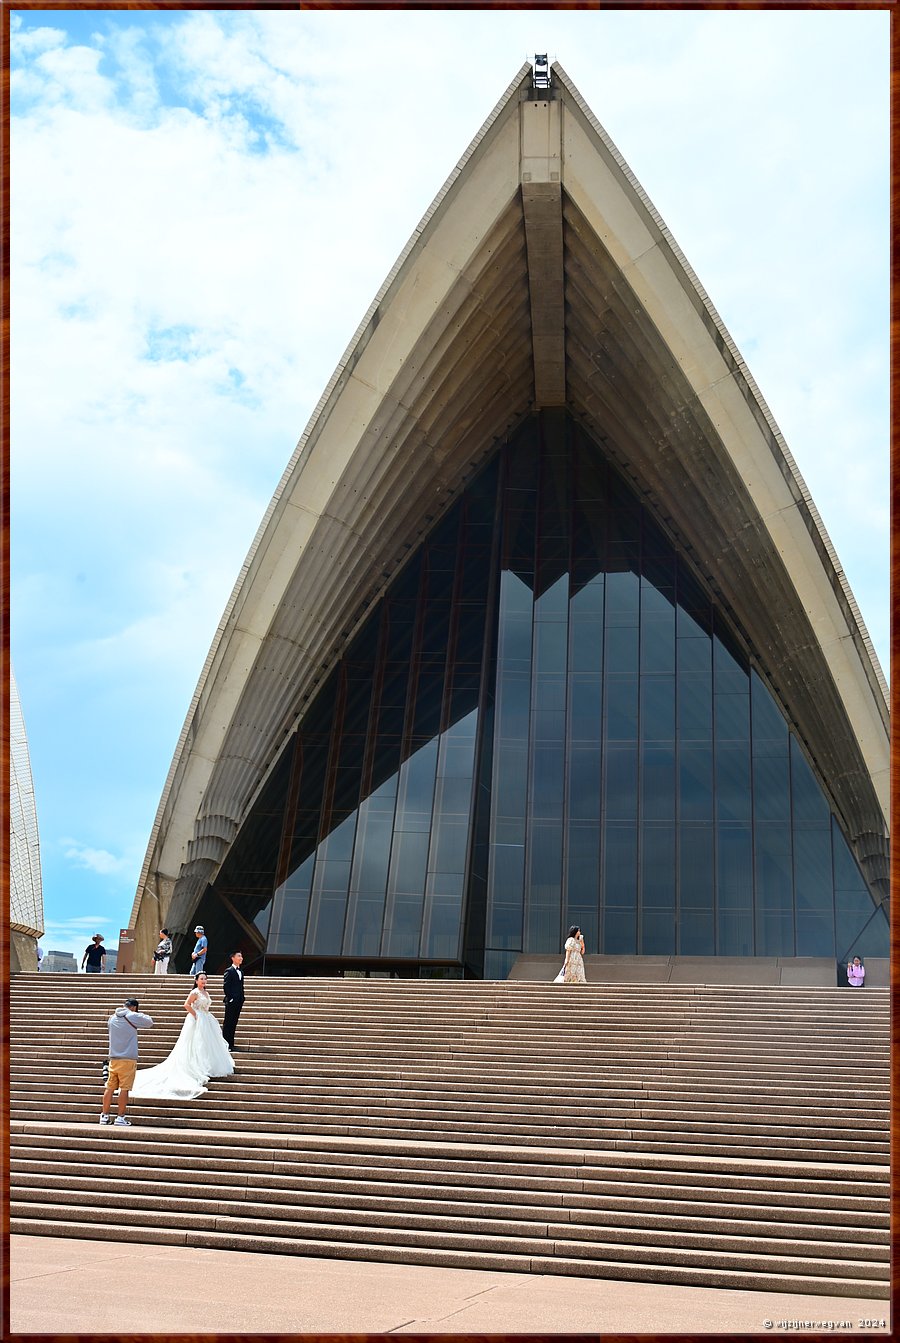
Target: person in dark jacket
column 233, row 986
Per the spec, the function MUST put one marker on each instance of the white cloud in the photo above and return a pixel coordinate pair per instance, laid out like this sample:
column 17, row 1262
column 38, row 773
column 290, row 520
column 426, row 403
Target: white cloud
column 101, row 861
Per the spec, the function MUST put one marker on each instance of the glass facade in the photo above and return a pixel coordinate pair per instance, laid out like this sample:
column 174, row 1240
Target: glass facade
column 546, row 720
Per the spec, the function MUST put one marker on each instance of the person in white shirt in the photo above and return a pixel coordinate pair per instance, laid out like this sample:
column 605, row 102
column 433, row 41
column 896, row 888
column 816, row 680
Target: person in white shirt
column 856, row 973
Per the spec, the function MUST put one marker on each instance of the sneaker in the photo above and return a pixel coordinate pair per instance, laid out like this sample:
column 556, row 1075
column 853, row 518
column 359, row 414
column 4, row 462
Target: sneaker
column 121, row 1121
column 105, row 1119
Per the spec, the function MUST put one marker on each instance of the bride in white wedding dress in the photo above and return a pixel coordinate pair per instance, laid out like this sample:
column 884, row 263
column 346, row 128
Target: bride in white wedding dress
column 200, row 1053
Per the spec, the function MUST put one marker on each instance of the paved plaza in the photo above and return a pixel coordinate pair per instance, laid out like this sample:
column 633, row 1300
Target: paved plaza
column 65, row 1286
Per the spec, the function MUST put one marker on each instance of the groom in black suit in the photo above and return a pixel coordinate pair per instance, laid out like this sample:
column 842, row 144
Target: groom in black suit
column 233, row 985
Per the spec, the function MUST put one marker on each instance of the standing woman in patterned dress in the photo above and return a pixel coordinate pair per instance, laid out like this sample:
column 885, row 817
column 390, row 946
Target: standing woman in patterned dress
column 573, row 970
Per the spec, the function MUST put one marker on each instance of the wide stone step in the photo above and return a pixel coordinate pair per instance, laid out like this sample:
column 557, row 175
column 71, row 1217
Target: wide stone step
column 493, row 1119
column 687, row 1274
column 80, row 1092
column 755, row 1222
column 788, row 1266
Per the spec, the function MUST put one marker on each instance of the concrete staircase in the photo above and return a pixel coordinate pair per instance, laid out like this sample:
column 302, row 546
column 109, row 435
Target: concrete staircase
column 714, row 1136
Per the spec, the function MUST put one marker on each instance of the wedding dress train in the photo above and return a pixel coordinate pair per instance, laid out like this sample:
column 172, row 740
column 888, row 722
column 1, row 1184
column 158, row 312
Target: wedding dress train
column 200, row 1053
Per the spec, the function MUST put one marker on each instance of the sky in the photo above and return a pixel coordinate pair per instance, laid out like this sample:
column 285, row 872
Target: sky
column 204, row 203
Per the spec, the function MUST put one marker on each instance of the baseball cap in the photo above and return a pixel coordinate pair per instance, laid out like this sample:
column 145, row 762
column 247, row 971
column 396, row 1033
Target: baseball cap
column 131, row 1002
column 199, row 928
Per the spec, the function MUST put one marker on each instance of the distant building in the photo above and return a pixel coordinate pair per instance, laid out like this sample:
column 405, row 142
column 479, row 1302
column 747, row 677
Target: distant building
column 26, row 904
column 112, row 955
column 60, row 962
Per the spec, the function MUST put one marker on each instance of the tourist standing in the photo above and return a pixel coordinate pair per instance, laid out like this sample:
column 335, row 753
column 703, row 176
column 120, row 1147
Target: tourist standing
column 198, row 955
column 573, row 969
column 233, row 987
column 95, row 955
column 40, row 955
column 162, row 953
column 123, row 1026
column 856, row 973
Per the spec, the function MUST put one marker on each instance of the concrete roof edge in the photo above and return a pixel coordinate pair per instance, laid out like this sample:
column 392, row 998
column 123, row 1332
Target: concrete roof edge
column 874, row 669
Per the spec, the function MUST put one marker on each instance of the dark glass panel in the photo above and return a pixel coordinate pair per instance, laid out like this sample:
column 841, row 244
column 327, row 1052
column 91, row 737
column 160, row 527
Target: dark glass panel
column 815, row 933
column 550, row 698
column 621, row 782
column 696, row 868
column 586, row 653
column 774, row 881
column 695, row 783
column 729, row 663
column 657, row 932
column 338, row 845
column 513, row 706
column 551, row 603
column 507, row 885
column 470, row 635
column 694, row 656
column 735, row 869
column 808, row 801
column 771, row 787
column 693, row 626
column 620, row 865
column 441, row 934
column 696, row 934
column 658, row 708
column 695, row 708
column 619, row 932
column 622, row 708
column 548, row 783
column 847, row 876
column 416, row 793
column 586, row 706
column 735, row 933
column 448, row 844
column 583, row 870
column 775, row 932
column 732, row 764
column 622, row 597
column 290, row 907
column 403, row 925
column 373, row 851
column 510, row 780
column 732, row 717
column 429, row 694
column 587, row 588
column 621, row 645
column 409, row 861
column 515, row 643
column 658, row 783
column 516, row 597
column 768, row 723
column 326, row 938
column 435, row 630
column 362, row 937
column 853, row 910
column 657, row 868
column 812, row 868
column 584, row 783
column 551, row 641
column 497, row 964
column 658, row 643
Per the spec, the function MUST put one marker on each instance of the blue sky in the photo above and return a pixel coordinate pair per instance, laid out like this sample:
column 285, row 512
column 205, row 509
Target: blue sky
column 203, row 206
